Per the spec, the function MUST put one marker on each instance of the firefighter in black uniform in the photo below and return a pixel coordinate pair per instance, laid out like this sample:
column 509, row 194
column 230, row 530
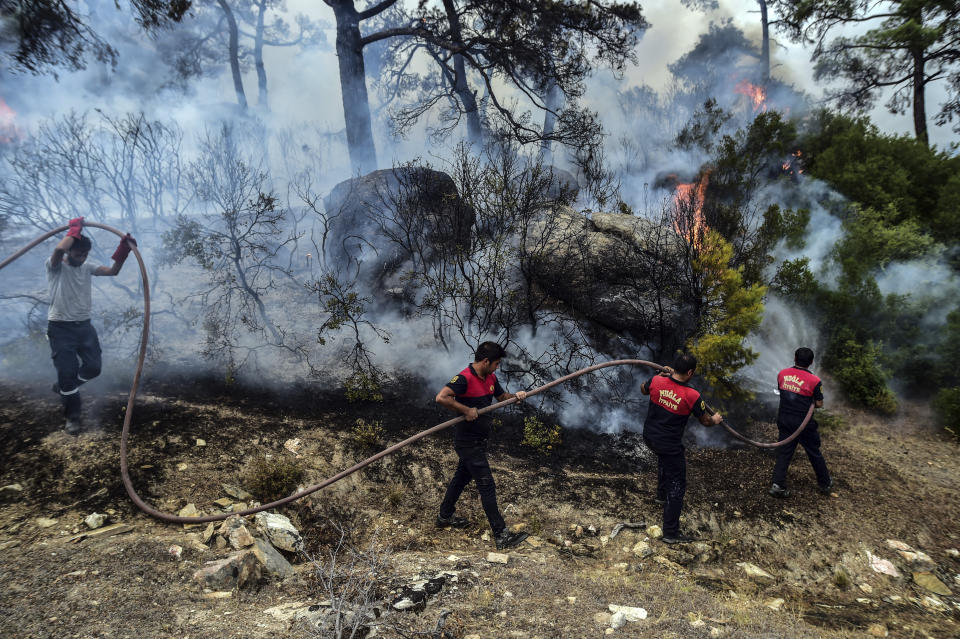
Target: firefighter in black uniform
column 672, row 402
column 474, row 388
column 800, row 392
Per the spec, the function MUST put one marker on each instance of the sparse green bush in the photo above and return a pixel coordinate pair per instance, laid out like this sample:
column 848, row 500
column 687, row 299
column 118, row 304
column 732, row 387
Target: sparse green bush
column 367, row 434
column 362, row 387
column 830, row 421
column 841, row 579
column 272, row 477
column 856, row 367
column 946, row 404
column 541, row 436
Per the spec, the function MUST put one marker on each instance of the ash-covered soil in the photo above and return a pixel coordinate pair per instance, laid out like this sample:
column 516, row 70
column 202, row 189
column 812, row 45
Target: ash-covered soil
column 895, row 479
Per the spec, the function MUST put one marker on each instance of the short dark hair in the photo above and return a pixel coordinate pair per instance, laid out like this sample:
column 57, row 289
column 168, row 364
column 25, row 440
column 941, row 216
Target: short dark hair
column 684, row 362
column 803, row 357
column 83, row 243
column 489, row 350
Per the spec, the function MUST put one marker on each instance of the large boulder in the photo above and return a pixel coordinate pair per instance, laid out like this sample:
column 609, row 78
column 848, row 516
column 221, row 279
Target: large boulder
column 386, row 218
column 605, row 266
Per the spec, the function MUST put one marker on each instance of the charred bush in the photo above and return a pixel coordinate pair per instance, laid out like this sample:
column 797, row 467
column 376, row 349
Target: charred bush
column 270, row 478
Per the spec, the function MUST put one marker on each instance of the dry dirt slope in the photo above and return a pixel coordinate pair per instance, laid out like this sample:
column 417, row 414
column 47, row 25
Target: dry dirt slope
column 896, row 480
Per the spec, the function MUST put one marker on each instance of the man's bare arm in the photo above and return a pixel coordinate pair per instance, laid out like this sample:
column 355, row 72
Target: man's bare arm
column 447, row 398
column 60, row 250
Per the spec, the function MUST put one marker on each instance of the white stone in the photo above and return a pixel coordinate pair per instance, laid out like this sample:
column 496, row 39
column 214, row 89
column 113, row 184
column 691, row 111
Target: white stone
column 655, row 532
column 497, row 558
column 865, row 587
column 774, row 604
column 45, row 522
column 571, row 600
column 642, row 549
column 893, row 544
column 175, row 551
column 755, row 572
column 618, row 620
column 279, row 531
column 95, row 520
column 630, row 613
column 698, row 623
column 201, row 442
column 882, row 565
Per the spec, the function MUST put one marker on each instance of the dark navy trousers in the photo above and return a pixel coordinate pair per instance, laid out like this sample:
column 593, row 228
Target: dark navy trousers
column 473, row 466
column 75, row 349
column 671, row 483
column 810, row 440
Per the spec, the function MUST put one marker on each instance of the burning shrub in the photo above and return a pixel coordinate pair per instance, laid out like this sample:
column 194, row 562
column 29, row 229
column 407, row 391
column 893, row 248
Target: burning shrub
column 541, row 436
column 270, row 478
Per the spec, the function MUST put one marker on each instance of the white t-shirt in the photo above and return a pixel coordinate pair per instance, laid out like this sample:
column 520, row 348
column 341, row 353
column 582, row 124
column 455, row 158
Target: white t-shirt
column 70, row 291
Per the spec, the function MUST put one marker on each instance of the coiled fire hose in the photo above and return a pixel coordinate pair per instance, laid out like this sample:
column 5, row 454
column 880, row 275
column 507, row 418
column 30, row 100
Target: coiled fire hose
column 128, row 415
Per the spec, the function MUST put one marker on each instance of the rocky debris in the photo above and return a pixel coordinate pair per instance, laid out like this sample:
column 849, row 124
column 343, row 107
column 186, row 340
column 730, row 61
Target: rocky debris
column 13, row 543
column 95, row 520
column 45, row 522
column 175, row 551
column 207, row 533
column 415, row 594
column 497, row 558
column 672, row 565
column 953, row 552
column 272, row 561
column 279, row 531
column 201, row 443
column 928, row 581
column 774, row 604
column 326, row 621
column 877, row 630
column 655, row 532
column 642, row 549
column 105, row 531
column 287, row 611
column 224, row 503
column 11, row 492
column 240, row 537
column 622, row 615
column 756, row 573
column 626, row 524
column 884, row 566
column 218, row 594
column 236, row 492
column 235, row 571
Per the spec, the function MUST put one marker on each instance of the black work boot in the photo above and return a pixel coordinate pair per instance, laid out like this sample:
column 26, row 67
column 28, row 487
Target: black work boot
column 452, row 522
column 776, row 490
column 825, row 488
column 73, row 426
column 507, row 539
column 678, row 538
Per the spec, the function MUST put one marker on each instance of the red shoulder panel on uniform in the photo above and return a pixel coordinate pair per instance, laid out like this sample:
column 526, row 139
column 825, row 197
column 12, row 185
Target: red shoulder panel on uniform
column 477, row 387
column 797, row 380
column 671, row 396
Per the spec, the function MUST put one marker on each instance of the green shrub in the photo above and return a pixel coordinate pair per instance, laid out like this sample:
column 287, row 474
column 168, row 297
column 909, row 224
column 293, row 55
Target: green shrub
column 368, row 434
column 856, row 367
column 273, row 477
column 543, row 437
column 362, row 387
column 946, row 405
column 830, row 421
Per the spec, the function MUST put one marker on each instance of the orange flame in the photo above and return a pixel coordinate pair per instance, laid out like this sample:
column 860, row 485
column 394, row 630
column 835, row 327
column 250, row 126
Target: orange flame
column 8, row 128
column 689, row 221
column 789, row 166
column 757, row 95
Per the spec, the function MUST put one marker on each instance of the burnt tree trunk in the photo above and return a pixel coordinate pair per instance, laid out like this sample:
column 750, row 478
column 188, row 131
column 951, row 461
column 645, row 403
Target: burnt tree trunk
column 353, row 87
column 919, row 98
column 468, row 98
column 258, row 57
column 234, row 53
column 764, row 44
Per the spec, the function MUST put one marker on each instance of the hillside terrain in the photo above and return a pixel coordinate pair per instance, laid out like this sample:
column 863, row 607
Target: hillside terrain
column 894, row 507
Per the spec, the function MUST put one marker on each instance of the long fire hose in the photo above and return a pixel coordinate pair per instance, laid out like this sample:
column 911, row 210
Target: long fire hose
column 128, row 414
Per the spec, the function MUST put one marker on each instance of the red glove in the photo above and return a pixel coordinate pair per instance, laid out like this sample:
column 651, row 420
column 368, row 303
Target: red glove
column 123, row 250
column 76, row 225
